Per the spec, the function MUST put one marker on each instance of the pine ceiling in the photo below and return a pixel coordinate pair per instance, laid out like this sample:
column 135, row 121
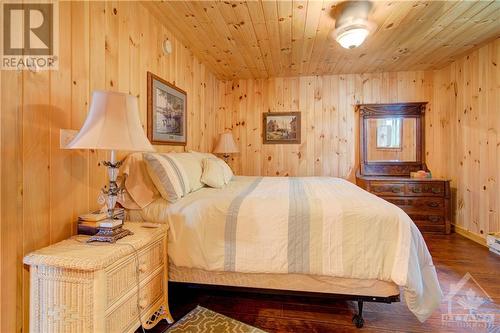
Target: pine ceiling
column 259, row 39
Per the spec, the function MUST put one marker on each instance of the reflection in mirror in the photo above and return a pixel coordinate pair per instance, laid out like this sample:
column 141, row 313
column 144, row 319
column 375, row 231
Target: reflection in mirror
column 391, row 139
column 389, row 133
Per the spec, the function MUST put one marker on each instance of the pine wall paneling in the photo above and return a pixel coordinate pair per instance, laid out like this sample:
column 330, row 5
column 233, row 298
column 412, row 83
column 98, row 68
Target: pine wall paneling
column 102, row 46
column 329, row 122
column 112, row 45
column 462, row 126
column 468, row 95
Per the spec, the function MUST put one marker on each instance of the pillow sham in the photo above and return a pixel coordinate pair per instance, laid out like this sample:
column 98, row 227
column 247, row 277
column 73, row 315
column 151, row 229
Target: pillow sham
column 140, row 190
column 167, row 174
column 192, row 167
column 213, row 173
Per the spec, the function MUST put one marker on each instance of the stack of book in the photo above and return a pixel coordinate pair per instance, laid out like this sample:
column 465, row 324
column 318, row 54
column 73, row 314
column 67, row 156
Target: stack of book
column 88, row 224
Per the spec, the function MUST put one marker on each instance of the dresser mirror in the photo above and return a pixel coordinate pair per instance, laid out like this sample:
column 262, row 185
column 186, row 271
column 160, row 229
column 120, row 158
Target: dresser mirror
column 391, row 138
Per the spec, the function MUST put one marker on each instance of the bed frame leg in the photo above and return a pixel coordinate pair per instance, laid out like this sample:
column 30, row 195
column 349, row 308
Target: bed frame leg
column 358, row 318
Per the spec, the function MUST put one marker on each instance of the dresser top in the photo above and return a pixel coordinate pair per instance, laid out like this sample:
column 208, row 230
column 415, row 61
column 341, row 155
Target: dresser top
column 76, row 253
column 404, row 179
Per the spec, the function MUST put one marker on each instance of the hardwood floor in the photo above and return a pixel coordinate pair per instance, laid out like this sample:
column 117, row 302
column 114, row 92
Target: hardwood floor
column 453, row 255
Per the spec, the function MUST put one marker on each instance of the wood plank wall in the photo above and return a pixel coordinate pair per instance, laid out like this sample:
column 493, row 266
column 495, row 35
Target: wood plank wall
column 112, row 46
column 467, row 92
column 462, row 127
column 102, row 46
column 329, row 123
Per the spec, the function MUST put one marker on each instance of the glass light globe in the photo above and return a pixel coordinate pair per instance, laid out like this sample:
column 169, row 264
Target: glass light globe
column 352, row 38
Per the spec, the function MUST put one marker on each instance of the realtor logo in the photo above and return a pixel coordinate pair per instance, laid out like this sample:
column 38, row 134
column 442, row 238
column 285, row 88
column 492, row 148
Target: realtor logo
column 29, row 38
column 465, row 300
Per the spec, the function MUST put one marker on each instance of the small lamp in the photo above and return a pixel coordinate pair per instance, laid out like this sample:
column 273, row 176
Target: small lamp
column 226, row 145
column 112, row 124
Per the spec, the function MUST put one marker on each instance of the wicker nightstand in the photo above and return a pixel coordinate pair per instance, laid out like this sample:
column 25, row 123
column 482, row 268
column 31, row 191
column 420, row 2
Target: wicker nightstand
column 80, row 287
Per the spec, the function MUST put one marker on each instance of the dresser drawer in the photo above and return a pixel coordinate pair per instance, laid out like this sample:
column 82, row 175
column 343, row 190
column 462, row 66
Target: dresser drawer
column 426, row 201
column 126, row 314
column 383, row 188
column 123, row 276
column 427, row 205
column 425, row 189
column 436, row 219
column 429, row 223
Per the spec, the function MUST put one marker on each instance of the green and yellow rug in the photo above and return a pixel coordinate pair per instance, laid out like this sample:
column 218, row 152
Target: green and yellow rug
column 203, row 320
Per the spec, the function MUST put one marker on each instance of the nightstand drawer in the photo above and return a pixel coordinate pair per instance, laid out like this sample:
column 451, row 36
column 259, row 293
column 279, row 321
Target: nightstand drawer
column 126, row 314
column 425, row 189
column 123, row 276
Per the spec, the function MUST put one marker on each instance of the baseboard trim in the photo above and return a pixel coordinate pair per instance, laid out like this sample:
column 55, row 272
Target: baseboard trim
column 470, row 235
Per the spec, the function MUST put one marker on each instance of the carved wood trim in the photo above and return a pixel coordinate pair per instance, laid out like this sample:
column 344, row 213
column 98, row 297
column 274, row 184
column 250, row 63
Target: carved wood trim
column 410, row 110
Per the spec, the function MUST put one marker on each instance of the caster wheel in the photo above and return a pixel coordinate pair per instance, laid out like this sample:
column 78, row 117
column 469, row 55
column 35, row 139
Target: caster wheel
column 358, row 321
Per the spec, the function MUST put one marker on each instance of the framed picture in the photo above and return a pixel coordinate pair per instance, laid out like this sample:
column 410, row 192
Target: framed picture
column 167, row 112
column 281, row 127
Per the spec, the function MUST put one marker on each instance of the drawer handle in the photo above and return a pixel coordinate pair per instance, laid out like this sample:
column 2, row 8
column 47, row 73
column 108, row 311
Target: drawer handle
column 416, row 190
column 395, row 190
column 434, row 218
column 142, row 268
column 143, row 303
column 436, row 190
column 433, row 204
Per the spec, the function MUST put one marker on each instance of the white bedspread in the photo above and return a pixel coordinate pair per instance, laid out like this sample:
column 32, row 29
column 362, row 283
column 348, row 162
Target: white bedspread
column 323, row 226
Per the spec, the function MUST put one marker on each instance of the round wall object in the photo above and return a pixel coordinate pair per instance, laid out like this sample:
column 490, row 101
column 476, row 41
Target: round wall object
column 167, row 46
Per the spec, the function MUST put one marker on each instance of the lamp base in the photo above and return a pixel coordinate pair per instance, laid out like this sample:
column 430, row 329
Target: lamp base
column 109, row 235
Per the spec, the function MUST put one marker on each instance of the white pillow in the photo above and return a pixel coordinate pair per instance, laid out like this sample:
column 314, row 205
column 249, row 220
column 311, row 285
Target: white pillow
column 168, row 175
column 228, row 173
column 192, row 167
column 213, row 173
column 226, row 169
column 201, row 156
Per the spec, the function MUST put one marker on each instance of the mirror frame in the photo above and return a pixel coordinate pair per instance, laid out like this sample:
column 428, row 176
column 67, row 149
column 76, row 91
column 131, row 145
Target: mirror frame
column 403, row 110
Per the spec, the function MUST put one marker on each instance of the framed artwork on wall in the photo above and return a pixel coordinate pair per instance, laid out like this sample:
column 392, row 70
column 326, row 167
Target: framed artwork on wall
column 167, row 112
column 281, row 127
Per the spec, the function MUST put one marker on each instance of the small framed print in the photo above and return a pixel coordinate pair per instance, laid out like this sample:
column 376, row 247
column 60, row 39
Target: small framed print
column 281, row 127
column 167, row 112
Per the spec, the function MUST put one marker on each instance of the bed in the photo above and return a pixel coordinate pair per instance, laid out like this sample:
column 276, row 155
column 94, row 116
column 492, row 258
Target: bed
column 317, row 235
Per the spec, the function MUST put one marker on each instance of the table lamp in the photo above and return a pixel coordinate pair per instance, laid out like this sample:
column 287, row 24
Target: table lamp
column 226, row 145
column 112, row 124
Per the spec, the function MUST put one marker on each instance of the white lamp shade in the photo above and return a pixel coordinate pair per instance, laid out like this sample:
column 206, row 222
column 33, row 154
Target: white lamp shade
column 112, row 124
column 226, row 144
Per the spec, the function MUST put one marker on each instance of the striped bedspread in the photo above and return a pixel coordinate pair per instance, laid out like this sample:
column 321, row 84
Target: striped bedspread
column 313, row 225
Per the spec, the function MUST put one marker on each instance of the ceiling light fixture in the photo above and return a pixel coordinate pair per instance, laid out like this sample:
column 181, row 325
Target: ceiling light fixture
column 351, row 23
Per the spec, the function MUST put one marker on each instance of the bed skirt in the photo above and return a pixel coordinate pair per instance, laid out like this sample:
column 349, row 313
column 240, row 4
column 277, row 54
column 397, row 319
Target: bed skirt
column 293, row 282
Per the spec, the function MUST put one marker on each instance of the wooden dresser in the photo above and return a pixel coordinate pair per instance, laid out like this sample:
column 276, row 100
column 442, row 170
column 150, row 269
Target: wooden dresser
column 391, row 147
column 100, row 287
column 426, row 201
